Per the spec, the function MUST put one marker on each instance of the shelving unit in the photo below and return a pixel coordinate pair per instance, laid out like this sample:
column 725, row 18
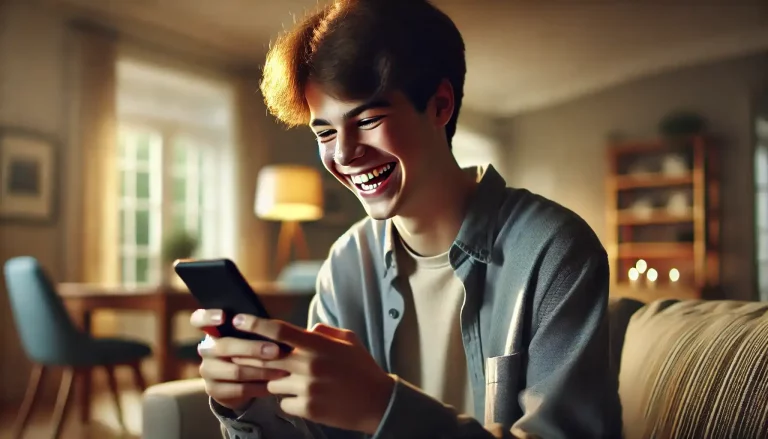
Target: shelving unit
column 663, row 218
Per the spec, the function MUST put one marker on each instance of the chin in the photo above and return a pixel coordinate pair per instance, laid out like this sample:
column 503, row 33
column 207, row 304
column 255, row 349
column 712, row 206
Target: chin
column 379, row 212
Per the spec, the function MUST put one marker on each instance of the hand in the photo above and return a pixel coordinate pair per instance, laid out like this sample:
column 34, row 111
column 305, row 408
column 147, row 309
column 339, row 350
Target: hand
column 333, row 379
column 229, row 379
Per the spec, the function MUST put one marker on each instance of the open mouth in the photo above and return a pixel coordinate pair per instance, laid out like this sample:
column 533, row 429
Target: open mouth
column 373, row 179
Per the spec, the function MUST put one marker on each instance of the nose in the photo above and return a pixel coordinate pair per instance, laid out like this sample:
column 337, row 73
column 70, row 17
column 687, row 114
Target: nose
column 348, row 149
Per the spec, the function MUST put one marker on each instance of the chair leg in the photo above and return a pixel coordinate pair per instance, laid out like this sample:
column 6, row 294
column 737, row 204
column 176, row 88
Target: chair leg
column 30, row 395
column 138, row 377
column 62, row 401
column 112, row 381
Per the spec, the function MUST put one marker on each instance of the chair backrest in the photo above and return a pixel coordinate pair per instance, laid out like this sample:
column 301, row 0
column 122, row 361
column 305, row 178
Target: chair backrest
column 47, row 333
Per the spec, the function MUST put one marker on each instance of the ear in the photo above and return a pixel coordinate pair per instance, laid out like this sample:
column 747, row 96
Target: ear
column 442, row 105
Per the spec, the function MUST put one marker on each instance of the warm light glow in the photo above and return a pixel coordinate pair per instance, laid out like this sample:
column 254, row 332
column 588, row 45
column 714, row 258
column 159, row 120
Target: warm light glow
column 633, row 274
column 674, row 275
column 641, row 266
column 289, row 193
column 652, row 275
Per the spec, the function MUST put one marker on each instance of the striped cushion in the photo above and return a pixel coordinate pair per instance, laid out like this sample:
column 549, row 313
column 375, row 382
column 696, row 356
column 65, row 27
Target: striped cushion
column 696, row 369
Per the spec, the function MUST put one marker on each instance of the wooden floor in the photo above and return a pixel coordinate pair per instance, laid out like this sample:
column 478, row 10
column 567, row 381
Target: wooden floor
column 104, row 423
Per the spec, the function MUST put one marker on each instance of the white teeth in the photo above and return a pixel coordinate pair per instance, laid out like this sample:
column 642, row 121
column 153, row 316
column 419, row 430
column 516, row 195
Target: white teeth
column 370, row 187
column 364, row 178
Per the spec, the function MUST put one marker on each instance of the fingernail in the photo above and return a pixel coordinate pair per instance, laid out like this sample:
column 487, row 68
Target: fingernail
column 238, row 320
column 217, row 316
column 269, row 350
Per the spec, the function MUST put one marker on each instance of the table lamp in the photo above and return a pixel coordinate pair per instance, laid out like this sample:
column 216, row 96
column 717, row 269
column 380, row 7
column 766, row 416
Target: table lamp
column 289, row 194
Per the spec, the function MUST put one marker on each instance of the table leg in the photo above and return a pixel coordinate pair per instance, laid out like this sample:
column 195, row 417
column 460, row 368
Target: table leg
column 164, row 343
column 85, row 376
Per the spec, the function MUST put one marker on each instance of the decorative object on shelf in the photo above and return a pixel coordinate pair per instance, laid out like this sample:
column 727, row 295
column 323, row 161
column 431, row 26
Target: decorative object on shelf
column 180, row 244
column 674, row 165
column 642, row 208
column 682, row 124
column 678, row 204
column 27, row 176
column 289, row 194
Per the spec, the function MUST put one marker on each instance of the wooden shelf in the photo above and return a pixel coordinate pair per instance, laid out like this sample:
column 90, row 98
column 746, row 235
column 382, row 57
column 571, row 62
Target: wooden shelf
column 655, row 250
column 641, row 181
column 628, row 218
column 648, row 295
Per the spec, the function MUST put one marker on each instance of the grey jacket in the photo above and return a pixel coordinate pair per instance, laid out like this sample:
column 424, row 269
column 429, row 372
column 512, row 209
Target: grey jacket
column 534, row 326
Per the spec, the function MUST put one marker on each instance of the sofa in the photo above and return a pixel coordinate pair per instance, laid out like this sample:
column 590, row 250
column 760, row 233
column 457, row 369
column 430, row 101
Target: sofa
column 688, row 369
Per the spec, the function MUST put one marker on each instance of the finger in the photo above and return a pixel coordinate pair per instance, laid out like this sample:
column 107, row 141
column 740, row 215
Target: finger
column 203, row 318
column 281, row 331
column 294, row 385
column 337, row 333
column 222, row 391
column 281, row 362
column 236, row 347
column 218, row 370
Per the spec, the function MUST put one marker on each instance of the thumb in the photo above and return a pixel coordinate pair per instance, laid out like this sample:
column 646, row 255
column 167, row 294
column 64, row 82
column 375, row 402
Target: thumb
column 337, row 333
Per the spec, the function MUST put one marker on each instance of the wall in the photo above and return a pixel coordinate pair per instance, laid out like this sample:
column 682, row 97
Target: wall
column 559, row 152
column 33, row 48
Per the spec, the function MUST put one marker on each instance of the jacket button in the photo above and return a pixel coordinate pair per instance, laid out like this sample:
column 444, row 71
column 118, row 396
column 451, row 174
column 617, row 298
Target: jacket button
column 394, row 313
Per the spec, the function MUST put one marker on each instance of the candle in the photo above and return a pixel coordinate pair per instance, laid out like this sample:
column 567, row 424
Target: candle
column 641, row 266
column 634, row 275
column 674, row 276
column 652, row 276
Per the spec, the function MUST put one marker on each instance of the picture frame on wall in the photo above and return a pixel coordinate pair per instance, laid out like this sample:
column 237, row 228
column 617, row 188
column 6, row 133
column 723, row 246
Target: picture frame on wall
column 27, row 176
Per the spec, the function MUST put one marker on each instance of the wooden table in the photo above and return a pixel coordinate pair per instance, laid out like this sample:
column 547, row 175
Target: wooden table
column 82, row 300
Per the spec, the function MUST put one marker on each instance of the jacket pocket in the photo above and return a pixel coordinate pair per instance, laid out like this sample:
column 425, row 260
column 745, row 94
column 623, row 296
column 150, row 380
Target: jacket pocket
column 502, row 378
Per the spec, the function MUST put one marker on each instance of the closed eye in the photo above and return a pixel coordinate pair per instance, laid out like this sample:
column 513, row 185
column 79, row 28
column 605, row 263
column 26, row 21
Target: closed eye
column 369, row 123
column 325, row 135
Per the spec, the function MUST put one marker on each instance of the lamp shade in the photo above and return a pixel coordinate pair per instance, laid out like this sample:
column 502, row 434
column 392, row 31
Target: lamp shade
column 289, row 193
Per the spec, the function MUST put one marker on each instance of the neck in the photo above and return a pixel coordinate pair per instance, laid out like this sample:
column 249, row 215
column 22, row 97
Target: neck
column 430, row 227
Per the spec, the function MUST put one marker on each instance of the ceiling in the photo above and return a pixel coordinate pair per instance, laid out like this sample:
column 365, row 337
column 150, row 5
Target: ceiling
column 521, row 55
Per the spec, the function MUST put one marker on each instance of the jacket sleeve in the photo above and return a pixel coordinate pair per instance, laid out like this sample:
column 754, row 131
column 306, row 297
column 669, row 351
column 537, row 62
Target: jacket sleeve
column 264, row 419
column 571, row 386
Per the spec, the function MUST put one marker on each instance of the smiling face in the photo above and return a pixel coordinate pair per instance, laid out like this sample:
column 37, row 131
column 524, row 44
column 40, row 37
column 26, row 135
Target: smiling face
column 384, row 150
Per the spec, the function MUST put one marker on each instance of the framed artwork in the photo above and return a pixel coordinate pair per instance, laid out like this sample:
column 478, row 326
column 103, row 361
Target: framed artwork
column 27, row 177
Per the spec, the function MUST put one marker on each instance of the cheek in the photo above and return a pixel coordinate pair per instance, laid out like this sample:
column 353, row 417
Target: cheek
column 391, row 139
column 325, row 151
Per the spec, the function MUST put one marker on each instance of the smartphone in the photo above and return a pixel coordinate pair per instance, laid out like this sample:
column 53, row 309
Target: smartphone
column 218, row 284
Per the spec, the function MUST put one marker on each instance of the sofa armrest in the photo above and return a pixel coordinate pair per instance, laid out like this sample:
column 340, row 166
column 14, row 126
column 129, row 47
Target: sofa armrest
column 178, row 410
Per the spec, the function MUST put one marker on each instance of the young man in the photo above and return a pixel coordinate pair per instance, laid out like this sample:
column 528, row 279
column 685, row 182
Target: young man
column 458, row 303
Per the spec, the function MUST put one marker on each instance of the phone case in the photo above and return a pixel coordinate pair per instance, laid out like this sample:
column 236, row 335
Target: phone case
column 218, row 284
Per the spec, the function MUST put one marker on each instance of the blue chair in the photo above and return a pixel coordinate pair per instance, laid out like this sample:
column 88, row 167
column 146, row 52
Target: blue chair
column 50, row 339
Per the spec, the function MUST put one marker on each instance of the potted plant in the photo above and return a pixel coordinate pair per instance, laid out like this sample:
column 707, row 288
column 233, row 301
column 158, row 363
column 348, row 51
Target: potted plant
column 180, row 244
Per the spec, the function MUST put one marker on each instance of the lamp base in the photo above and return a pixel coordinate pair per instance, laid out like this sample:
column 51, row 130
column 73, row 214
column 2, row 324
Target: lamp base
column 291, row 237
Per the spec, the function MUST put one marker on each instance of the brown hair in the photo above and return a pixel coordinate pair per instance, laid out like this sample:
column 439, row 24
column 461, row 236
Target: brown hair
column 358, row 49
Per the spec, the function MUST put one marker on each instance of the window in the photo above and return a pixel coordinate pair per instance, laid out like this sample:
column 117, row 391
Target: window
column 761, row 205
column 173, row 160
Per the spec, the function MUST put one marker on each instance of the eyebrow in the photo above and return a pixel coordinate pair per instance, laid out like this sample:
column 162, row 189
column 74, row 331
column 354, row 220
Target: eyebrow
column 376, row 103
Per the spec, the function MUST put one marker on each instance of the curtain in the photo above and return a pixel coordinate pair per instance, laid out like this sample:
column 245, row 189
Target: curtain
column 252, row 146
column 97, row 134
